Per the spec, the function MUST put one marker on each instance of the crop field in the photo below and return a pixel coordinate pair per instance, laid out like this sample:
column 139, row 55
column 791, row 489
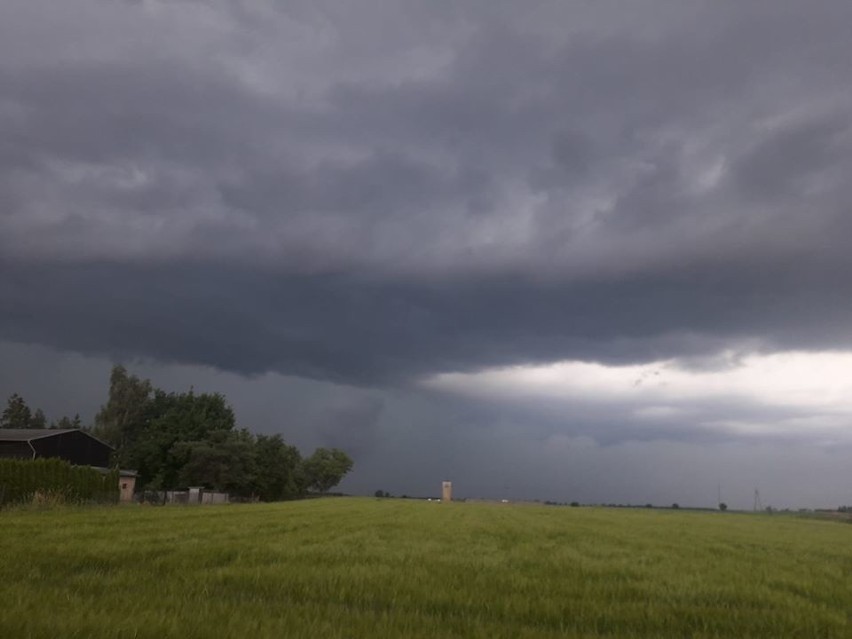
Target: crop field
column 357, row 567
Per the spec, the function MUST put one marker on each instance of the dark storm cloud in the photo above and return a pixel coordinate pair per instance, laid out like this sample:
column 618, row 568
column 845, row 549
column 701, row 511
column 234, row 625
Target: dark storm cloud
column 364, row 331
column 381, row 193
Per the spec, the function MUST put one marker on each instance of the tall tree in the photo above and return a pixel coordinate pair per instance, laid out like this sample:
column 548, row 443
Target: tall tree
column 326, row 468
column 121, row 420
column 16, row 414
column 173, row 418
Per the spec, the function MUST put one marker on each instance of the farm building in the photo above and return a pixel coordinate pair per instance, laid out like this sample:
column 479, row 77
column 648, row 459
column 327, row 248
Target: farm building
column 72, row 445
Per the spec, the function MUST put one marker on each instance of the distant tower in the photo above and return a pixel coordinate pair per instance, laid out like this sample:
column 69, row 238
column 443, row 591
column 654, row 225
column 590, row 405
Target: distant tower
column 758, row 506
column 447, row 491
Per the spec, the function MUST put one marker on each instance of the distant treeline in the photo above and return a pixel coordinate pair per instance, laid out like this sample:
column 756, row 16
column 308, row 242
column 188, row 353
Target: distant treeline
column 18, row 414
column 176, row 440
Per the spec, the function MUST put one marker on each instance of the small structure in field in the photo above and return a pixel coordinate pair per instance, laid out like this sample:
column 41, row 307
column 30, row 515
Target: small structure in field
column 447, row 491
column 126, row 484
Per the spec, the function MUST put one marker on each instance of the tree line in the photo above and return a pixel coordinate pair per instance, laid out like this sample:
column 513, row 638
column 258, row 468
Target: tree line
column 174, row 440
column 18, row 414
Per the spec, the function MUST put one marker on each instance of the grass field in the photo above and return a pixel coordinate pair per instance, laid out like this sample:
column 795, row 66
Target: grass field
column 385, row 568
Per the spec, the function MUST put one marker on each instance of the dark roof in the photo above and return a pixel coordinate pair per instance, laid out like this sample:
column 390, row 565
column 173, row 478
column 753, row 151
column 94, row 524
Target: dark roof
column 122, row 472
column 29, row 434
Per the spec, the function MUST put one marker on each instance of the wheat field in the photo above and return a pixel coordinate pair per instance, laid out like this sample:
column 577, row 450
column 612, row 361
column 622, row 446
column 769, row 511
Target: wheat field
column 359, row 567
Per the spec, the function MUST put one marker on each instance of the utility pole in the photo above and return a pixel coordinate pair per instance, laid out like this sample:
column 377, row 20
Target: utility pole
column 757, row 505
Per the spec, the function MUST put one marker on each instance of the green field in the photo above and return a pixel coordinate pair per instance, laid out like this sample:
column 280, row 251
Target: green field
column 352, row 567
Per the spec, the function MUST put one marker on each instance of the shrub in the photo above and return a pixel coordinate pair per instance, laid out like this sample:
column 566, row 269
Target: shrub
column 53, row 481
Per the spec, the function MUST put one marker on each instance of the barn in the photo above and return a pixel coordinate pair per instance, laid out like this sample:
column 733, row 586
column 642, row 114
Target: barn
column 72, row 444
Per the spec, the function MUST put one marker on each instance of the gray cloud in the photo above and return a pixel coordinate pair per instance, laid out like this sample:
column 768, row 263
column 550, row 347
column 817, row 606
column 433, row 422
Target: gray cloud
column 463, row 143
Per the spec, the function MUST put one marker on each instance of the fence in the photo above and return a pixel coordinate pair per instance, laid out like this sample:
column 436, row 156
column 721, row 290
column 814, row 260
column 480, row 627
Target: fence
column 193, row 496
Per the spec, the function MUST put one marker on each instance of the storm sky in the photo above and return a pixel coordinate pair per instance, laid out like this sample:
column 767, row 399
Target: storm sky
column 593, row 251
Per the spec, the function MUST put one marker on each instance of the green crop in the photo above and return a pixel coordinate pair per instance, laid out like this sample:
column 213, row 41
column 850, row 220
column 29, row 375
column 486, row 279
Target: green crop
column 353, row 567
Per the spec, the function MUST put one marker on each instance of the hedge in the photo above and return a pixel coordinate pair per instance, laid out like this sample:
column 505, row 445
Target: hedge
column 55, row 480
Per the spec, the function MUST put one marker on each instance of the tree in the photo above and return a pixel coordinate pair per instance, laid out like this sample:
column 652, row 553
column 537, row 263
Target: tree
column 174, row 440
column 326, row 468
column 723, row 506
column 169, row 419
column 121, row 420
column 66, row 422
column 279, row 469
column 16, row 414
column 38, row 419
column 224, row 462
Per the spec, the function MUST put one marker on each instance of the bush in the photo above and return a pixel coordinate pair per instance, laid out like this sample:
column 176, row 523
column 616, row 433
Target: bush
column 53, row 481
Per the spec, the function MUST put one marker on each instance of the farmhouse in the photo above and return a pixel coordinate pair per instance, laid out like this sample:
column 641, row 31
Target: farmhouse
column 69, row 444
column 72, row 445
